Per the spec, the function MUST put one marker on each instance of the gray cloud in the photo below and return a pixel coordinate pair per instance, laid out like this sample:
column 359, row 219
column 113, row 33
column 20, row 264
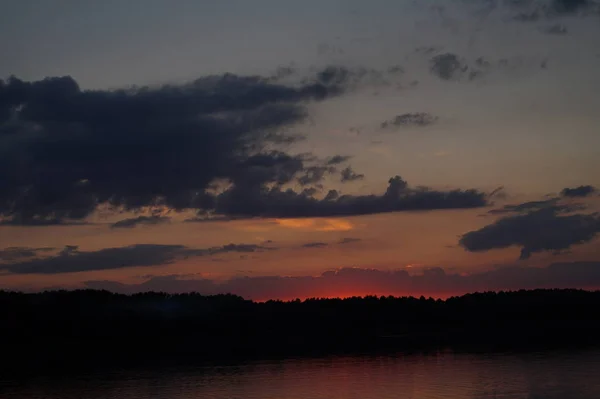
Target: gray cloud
column 11, row 254
column 40, row 221
column 447, row 66
column 348, row 175
column 410, row 119
column 569, row 6
column 338, row 159
column 540, row 230
column 349, row 78
column 133, row 222
column 253, row 200
column 315, row 245
column 581, row 191
column 71, row 260
column 315, row 174
column 69, row 150
column 552, row 203
column 435, row 281
column 535, row 10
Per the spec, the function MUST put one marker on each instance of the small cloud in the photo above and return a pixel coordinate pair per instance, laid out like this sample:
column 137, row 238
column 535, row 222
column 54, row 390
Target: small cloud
column 410, row 119
column 447, row 66
column 134, row 222
column 315, row 245
column 581, row 191
column 338, row 159
column 315, row 174
column 349, row 175
column 17, row 253
column 569, row 6
column 72, row 260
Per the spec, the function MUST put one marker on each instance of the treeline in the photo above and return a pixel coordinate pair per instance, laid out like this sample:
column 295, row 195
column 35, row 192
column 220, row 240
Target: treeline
column 71, row 328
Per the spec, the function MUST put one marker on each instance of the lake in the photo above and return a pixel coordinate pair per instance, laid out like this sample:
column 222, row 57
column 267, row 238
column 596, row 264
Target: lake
column 543, row 375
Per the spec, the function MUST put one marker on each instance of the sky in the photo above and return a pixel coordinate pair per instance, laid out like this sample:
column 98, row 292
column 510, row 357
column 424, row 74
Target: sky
column 283, row 149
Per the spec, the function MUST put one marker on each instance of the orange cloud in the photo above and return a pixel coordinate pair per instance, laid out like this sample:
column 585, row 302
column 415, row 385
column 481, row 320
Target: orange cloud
column 316, row 224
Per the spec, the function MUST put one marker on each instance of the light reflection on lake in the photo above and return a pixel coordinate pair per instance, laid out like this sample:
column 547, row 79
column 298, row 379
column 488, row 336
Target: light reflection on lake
column 551, row 375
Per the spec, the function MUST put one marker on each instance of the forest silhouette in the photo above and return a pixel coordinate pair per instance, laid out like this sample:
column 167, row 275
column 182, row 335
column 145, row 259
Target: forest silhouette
column 88, row 327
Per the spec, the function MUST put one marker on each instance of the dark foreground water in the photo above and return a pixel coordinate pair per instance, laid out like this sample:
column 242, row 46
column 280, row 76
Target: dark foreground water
column 544, row 375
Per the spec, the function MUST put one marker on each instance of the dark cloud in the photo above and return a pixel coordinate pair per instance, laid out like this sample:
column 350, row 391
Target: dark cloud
column 40, row 221
column 69, row 150
column 348, row 175
column 540, row 230
column 531, row 11
column 410, row 119
column 264, row 201
column 71, row 260
column 203, row 217
column 569, row 6
column 454, row 67
column 552, row 203
column 315, row 174
column 348, row 78
column 338, row 159
column 355, row 281
column 498, row 193
column 315, row 245
column 581, row 191
column 133, row 222
column 447, row 66
column 11, row 254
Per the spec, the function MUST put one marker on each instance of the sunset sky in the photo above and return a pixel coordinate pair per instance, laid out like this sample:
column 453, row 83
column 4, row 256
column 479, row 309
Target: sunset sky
column 282, row 149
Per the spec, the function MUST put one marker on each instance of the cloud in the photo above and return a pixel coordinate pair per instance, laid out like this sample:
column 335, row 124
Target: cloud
column 338, row 159
column 539, row 230
column 447, row 66
column 69, row 150
column 410, row 119
column 252, row 200
column 357, row 281
column 581, row 191
column 17, row 253
column 133, row 222
column 349, row 175
column 321, row 224
column 569, row 6
column 349, row 78
column 531, row 11
column 315, row 245
column 72, row 260
column 315, row 174
column 552, row 203
column 40, row 221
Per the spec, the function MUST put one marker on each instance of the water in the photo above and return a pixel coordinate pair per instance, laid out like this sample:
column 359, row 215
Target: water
column 550, row 375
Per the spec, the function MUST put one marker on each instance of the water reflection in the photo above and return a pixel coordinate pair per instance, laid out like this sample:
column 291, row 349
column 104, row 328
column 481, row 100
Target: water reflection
column 557, row 375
